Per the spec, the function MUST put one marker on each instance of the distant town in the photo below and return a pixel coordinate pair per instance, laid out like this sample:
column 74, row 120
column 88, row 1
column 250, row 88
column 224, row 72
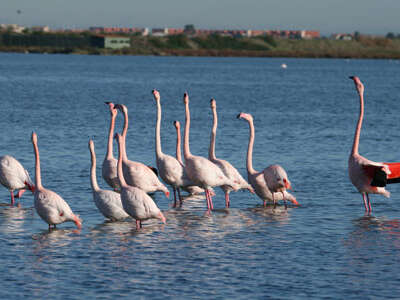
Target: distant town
column 191, row 41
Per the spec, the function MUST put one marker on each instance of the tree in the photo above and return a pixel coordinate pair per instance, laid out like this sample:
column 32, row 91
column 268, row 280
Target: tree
column 189, row 29
column 390, row 35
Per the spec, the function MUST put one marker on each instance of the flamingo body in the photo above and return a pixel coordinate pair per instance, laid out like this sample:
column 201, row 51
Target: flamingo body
column 49, row 205
column 362, row 170
column 107, row 202
column 13, row 176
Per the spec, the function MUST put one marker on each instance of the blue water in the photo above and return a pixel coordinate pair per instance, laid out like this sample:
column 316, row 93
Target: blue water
column 305, row 118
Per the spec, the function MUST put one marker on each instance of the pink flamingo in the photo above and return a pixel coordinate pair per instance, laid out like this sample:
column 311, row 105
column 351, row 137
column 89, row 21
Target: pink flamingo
column 191, row 189
column 169, row 168
column 200, row 170
column 257, row 179
column 135, row 173
column 109, row 168
column 13, row 176
column 228, row 170
column 49, row 205
column 108, row 202
column 362, row 170
column 135, row 201
column 277, row 181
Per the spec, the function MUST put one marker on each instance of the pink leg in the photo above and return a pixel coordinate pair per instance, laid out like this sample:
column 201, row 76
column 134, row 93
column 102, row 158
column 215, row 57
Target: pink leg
column 211, row 203
column 273, row 199
column 180, row 197
column 174, row 197
column 227, row 203
column 265, row 203
column 138, row 224
column 369, row 204
column 20, row 192
column 12, row 198
column 365, row 201
column 208, row 200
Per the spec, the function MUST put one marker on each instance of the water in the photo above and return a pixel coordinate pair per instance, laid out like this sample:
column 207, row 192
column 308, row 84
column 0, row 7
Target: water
column 305, row 117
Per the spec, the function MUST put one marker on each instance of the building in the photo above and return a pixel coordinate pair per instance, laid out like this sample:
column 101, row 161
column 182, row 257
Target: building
column 110, row 42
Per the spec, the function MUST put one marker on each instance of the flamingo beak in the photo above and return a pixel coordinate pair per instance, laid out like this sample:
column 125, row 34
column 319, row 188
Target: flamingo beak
column 294, row 201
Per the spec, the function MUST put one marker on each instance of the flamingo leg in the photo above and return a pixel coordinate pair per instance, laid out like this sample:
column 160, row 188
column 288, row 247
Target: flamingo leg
column 273, row 199
column 265, row 203
column 174, row 189
column 12, row 198
column 208, row 200
column 284, row 200
column 211, row 203
column 20, row 193
column 369, row 203
column 180, row 197
column 227, row 202
column 365, row 201
column 138, row 224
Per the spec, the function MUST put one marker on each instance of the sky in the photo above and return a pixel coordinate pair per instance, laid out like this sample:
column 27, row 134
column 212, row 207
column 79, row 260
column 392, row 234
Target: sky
column 327, row 16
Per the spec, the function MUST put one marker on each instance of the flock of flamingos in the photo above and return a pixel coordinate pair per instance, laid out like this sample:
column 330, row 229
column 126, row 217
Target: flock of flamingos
column 131, row 181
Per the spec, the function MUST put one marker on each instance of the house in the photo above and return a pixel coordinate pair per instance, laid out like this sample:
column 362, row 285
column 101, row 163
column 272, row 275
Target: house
column 110, row 42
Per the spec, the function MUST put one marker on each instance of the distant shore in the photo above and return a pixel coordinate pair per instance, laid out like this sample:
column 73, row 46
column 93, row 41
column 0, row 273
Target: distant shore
column 212, row 46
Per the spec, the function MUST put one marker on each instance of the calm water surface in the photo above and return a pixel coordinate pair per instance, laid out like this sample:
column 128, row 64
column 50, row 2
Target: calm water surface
column 305, row 117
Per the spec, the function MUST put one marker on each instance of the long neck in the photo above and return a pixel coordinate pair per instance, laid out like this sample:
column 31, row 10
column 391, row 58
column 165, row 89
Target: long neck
column 158, row 134
column 186, row 148
column 211, row 150
column 250, row 148
column 358, row 128
column 119, row 165
column 178, row 145
column 124, row 131
column 109, row 153
column 93, row 180
column 38, row 179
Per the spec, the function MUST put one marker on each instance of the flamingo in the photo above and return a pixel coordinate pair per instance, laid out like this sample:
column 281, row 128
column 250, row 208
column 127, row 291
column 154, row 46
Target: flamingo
column 191, row 189
column 361, row 169
column 277, row 181
column 257, row 179
column 109, row 168
column 169, row 168
column 49, row 205
column 135, row 201
column 135, row 173
column 200, row 170
column 108, row 202
column 228, row 170
column 13, row 176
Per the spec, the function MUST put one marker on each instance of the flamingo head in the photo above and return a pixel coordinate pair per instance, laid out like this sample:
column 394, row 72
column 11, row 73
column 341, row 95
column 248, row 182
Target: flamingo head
column 247, row 117
column 287, row 184
column 122, row 108
column 91, row 145
column 34, row 138
column 113, row 109
column 118, row 137
column 31, row 187
column 185, row 98
column 177, row 124
column 213, row 103
column 358, row 84
column 156, row 94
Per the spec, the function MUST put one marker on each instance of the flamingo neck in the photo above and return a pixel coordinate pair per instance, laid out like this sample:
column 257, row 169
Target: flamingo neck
column 358, row 128
column 38, row 178
column 123, row 136
column 211, row 151
column 93, row 180
column 178, row 145
column 158, row 133
column 250, row 148
column 109, row 153
column 120, row 174
column 186, row 148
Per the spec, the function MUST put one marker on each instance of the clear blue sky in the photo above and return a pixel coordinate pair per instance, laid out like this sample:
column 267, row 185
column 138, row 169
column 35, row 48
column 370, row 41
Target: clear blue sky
column 328, row 16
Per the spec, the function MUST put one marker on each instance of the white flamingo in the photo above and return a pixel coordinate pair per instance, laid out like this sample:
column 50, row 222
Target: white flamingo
column 169, row 168
column 49, row 205
column 108, row 202
column 361, row 169
column 135, row 173
column 135, row 201
column 109, row 168
column 257, row 179
column 13, row 176
column 229, row 171
column 200, row 170
column 191, row 189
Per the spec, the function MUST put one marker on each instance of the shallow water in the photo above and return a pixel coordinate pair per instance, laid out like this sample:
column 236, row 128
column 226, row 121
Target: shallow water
column 305, row 118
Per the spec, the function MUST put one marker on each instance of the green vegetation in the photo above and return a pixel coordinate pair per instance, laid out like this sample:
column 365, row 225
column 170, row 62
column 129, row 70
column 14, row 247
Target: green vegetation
column 213, row 45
